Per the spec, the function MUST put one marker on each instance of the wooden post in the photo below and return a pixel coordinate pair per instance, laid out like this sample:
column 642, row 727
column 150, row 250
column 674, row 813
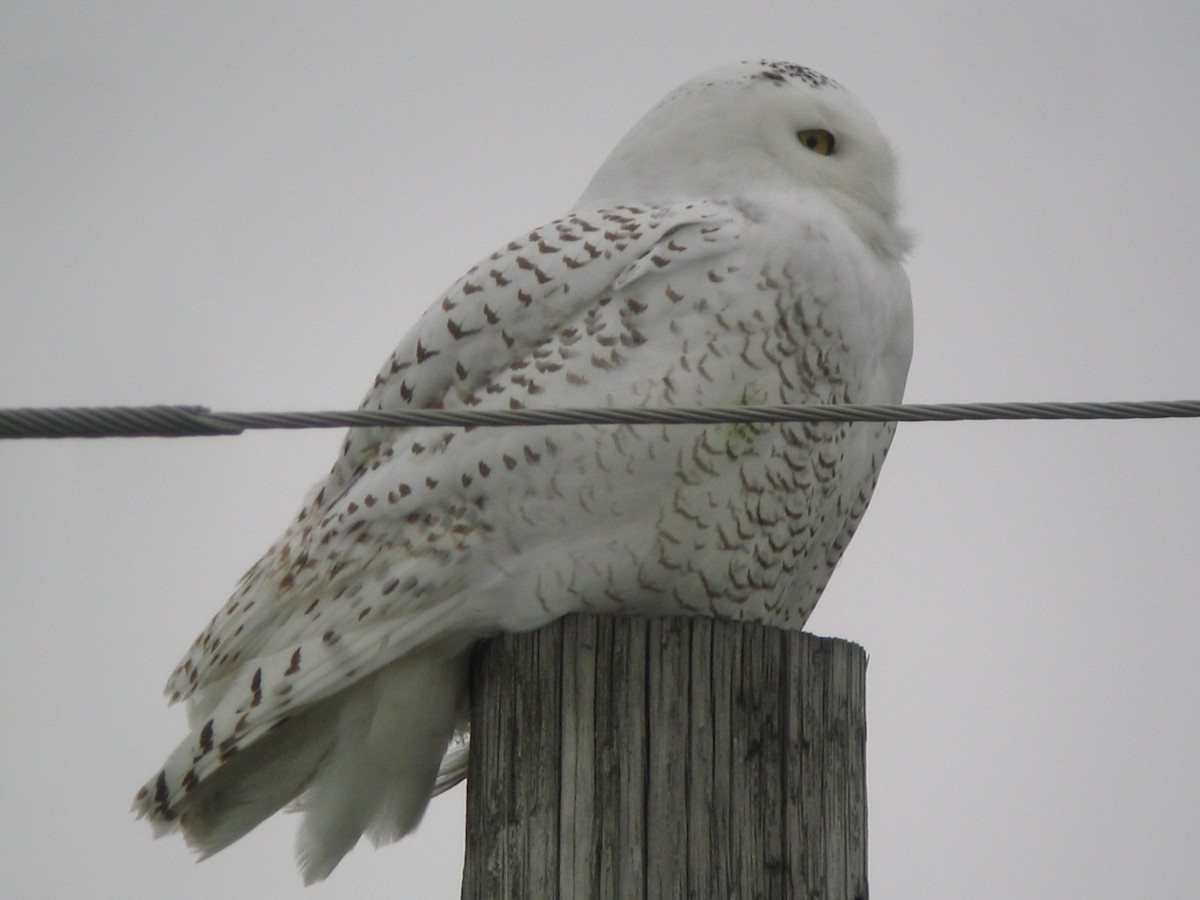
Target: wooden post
column 673, row 757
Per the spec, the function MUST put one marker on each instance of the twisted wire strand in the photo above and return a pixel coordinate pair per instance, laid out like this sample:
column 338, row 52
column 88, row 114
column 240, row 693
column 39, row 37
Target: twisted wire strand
column 199, row 421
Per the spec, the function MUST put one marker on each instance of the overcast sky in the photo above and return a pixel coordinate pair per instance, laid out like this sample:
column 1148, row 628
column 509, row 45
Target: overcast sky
column 247, row 205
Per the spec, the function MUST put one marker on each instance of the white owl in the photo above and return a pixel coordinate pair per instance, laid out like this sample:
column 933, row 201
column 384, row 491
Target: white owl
column 739, row 246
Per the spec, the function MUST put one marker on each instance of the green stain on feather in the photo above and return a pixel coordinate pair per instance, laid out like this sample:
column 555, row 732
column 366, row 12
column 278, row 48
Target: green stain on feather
column 740, row 436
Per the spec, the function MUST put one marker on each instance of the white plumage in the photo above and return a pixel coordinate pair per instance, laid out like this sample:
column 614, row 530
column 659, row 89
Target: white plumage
column 739, row 246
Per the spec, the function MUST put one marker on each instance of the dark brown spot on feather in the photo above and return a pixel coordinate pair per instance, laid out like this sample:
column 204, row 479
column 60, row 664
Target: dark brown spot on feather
column 633, row 338
column 206, row 737
column 160, row 791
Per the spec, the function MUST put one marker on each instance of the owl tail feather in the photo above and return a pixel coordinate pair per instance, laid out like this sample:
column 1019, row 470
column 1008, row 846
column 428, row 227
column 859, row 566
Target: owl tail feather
column 362, row 761
column 388, row 744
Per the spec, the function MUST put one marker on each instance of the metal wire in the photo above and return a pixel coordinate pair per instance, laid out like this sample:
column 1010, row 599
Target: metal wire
column 198, row 421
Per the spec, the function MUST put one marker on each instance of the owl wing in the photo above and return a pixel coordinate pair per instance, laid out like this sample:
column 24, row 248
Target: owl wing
column 345, row 590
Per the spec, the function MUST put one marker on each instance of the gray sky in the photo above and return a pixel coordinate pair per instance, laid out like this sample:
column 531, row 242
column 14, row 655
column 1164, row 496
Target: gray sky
column 246, row 206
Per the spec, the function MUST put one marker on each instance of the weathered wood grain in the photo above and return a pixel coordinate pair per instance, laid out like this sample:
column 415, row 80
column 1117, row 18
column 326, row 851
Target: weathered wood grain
column 667, row 758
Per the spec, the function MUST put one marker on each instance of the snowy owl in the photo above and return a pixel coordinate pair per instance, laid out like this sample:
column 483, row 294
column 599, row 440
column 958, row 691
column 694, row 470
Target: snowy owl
column 739, row 246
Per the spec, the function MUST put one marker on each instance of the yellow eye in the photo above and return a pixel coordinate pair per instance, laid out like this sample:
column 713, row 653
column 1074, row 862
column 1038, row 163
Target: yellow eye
column 817, row 140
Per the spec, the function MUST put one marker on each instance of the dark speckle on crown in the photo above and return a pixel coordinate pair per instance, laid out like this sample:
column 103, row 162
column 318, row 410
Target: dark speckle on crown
column 781, row 72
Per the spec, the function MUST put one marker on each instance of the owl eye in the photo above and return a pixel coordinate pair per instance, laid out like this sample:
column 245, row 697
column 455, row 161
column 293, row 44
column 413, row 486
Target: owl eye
column 817, row 140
